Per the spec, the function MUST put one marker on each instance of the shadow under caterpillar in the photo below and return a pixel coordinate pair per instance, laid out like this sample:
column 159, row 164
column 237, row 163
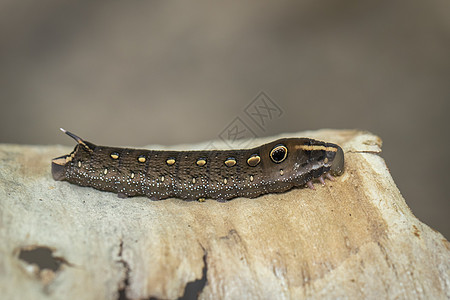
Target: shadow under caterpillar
column 197, row 175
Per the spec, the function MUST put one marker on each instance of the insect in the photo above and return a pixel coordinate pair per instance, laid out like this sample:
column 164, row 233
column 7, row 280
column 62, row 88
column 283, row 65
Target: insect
column 196, row 175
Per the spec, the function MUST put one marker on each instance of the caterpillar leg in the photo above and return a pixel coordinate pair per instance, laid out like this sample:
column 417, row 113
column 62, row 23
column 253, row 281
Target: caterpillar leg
column 322, row 181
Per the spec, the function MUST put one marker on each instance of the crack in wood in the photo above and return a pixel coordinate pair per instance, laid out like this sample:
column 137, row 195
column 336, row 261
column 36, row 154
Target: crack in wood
column 42, row 261
column 194, row 288
column 123, row 286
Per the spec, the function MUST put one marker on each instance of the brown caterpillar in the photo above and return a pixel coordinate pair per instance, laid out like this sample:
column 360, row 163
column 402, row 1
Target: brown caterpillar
column 196, row 175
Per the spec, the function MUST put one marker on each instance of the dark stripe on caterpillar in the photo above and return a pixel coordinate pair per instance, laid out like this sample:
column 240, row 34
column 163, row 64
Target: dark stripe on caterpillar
column 197, row 175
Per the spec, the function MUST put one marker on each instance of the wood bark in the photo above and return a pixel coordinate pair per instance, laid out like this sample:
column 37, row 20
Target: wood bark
column 353, row 238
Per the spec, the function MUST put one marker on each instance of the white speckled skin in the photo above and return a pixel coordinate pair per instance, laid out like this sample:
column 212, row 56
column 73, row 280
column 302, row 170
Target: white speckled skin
column 120, row 170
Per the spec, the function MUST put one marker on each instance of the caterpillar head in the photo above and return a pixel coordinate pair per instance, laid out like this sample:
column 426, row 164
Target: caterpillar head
column 295, row 157
column 337, row 165
column 323, row 154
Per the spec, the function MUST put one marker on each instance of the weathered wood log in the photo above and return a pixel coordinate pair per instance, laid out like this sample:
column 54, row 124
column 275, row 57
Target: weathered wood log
column 353, row 238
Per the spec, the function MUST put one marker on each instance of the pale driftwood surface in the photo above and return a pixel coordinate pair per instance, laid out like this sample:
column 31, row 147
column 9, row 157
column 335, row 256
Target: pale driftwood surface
column 353, row 238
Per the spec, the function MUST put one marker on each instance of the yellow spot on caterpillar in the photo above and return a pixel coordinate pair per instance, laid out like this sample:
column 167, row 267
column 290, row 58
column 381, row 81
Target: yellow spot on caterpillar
column 201, row 162
column 253, row 160
column 132, row 175
column 79, row 164
column 201, row 199
column 86, row 146
column 225, row 180
column 193, row 180
column 105, row 171
column 162, row 178
column 141, row 159
column 230, row 162
column 325, row 161
column 281, row 172
column 69, row 158
column 170, row 161
column 251, row 178
column 315, row 148
column 114, row 155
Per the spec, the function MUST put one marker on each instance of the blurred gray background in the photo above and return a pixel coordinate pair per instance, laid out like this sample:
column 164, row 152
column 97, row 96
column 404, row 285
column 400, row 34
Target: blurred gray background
column 139, row 73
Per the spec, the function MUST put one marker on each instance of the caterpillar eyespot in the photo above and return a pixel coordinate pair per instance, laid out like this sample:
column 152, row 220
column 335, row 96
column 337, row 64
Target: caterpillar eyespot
column 279, row 153
column 196, row 175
